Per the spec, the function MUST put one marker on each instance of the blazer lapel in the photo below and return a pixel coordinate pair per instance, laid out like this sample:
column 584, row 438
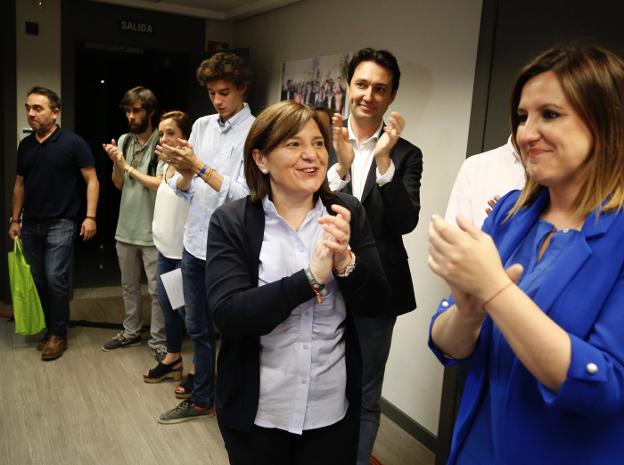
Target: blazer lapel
column 255, row 233
column 513, row 232
column 580, row 251
column 370, row 180
column 557, row 279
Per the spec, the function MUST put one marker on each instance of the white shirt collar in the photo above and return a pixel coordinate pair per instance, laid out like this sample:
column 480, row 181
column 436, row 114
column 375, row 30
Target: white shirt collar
column 353, row 138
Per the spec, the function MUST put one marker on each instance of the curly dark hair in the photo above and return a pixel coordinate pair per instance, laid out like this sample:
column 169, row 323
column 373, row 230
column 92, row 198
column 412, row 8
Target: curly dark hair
column 224, row 66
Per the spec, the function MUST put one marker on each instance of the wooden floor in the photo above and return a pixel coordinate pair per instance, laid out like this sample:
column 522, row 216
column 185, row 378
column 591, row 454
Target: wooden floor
column 92, row 407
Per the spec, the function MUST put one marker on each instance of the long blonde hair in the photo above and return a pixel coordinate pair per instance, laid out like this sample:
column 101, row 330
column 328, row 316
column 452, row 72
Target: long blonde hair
column 592, row 79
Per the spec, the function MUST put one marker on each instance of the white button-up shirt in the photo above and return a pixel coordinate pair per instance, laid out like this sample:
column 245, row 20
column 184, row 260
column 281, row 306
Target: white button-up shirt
column 480, row 178
column 220, row 146
column 364, row 155
column 302, row 364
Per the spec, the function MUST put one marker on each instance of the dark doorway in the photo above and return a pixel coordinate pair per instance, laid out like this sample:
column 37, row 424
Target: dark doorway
column 103, row 73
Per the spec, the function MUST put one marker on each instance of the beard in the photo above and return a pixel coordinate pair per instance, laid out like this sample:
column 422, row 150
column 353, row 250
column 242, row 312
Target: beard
column 139, row 127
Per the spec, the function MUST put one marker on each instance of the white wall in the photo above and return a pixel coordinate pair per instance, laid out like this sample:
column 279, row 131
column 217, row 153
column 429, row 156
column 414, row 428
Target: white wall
column 435, row 42
column 38, row 58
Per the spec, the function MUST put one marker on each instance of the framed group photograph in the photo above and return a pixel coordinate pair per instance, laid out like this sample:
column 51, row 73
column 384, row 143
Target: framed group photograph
column 318, row 82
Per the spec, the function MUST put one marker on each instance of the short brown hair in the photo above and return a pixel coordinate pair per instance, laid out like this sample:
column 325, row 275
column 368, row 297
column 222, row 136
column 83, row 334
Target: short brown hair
column 144, row 96
column 592, row 79
column 53, row 98
column 224, row 66
column 181, row 119
column 273, row 126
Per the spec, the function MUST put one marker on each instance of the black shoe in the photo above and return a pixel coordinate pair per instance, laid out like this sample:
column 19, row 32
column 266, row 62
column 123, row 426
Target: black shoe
column 121, row 341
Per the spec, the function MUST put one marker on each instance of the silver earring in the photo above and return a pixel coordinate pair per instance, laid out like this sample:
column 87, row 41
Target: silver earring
column 264, row 170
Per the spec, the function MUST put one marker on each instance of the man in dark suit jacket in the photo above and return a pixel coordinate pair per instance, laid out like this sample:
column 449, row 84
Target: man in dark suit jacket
column 373, row 163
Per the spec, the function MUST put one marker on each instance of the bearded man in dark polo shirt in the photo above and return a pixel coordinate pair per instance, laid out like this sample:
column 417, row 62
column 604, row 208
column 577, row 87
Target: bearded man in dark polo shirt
column 51, row 164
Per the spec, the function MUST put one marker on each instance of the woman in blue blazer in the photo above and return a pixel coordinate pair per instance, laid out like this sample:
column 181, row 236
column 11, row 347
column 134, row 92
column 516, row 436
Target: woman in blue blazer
column 537, row 298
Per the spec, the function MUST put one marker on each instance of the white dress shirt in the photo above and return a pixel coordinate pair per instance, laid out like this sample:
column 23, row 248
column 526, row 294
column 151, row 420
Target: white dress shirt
column 480, row 178
column 302, row 363
column 364, row 155
column 220, row 146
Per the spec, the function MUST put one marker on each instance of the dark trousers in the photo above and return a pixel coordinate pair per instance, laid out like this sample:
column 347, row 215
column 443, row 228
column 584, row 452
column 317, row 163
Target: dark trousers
column 174, row 319
column 48, row 248
column 375, row 336
column 332, row 445
column 199, row 326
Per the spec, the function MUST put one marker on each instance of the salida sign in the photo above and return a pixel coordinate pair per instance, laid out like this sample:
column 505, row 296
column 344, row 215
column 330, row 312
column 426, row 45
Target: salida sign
column 136, row 26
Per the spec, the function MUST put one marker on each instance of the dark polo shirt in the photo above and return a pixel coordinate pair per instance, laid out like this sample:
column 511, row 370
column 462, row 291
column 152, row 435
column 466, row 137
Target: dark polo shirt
column 52, row 178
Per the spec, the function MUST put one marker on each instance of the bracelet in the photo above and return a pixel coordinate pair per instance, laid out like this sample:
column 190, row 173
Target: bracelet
column 319, row 289
column 202, row 171
column 129, row 171
column 208, row 175
column 90, row 217
column 496, row 294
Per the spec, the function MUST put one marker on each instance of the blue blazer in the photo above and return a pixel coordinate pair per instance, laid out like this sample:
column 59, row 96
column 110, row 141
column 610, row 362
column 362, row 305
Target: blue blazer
column 582, row 423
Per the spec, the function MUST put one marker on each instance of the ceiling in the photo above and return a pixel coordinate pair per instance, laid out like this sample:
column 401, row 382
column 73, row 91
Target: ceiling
column 211, row 9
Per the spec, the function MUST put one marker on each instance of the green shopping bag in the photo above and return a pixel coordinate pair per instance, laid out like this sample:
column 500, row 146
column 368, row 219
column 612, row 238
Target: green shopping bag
column 27, row 309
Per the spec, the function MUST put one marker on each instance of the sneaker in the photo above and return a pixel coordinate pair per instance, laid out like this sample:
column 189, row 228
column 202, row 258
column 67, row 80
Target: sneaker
column 186, row 410
column 159, row 353
column 121, row 341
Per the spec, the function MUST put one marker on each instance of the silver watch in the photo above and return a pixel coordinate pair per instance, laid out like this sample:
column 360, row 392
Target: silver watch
column 350, row 267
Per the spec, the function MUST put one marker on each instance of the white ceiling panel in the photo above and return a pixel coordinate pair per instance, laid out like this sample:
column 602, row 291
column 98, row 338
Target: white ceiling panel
column 212, row 9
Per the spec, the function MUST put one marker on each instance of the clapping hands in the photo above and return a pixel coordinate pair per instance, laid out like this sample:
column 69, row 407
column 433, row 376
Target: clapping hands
column 332, row 249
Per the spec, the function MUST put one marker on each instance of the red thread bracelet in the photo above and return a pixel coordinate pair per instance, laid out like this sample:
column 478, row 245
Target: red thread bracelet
column 496, row 294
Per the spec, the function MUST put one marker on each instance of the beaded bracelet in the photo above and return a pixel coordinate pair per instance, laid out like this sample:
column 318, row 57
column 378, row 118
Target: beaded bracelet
column 202, row 171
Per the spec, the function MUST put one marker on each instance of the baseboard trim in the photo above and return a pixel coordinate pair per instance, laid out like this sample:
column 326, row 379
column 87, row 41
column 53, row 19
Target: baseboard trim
column 413, row 428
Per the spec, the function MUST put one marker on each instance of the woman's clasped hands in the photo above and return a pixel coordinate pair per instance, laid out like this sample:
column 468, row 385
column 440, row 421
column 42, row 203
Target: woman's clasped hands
column 467, row 259
column 331, row 251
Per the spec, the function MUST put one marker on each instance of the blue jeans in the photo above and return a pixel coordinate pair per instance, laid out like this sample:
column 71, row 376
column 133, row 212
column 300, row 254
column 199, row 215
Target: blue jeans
column 199, row 326
column 174, row 319
column 48, row 248
column 375, row 337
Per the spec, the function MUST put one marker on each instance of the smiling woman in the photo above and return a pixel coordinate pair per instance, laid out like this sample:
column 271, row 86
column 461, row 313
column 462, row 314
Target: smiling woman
column 286, row 268
column 544, row 348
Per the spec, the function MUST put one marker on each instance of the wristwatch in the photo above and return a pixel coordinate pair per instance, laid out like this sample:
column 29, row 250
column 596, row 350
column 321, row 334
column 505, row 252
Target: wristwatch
column 349, row 268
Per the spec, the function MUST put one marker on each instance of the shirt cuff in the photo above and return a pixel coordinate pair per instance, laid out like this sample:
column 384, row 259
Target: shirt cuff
column 387, row 176
column 336, row 183
column 173, row 183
